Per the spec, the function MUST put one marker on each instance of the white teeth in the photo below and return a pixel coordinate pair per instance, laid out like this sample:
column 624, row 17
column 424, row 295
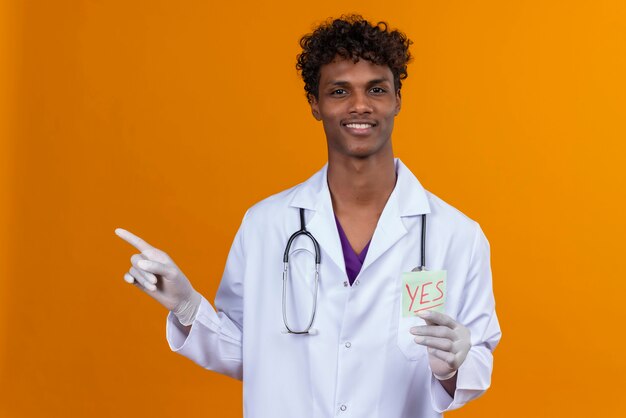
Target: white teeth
column 359, row 125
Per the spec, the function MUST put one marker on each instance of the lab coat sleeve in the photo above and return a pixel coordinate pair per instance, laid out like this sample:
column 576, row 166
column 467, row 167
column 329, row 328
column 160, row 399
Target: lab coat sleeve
column 214, row 341
column 479, row 315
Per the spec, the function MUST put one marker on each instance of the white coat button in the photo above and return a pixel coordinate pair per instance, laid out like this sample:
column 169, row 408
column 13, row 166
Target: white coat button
column 345, row 284
column 357, row 282
column 348, row 344
column 343, row 407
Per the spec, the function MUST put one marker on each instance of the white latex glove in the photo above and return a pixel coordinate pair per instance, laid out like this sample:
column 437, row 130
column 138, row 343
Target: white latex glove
column 448, row 343
column 154, row 272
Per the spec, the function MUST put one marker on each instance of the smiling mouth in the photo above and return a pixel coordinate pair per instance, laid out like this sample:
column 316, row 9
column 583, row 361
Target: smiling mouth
column 359, row 125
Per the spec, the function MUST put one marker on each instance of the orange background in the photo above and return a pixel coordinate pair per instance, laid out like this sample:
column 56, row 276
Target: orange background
column 170, row 119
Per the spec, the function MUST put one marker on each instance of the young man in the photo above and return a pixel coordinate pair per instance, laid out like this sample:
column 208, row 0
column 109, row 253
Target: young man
column 331, row 339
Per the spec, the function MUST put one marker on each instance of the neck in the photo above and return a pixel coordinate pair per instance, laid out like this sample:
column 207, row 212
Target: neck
column 361, row 184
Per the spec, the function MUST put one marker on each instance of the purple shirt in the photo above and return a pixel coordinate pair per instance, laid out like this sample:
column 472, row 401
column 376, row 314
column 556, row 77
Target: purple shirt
column 353, row 261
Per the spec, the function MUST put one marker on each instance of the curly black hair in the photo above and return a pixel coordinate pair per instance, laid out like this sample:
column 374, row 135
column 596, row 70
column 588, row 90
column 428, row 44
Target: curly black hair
column 352, row 37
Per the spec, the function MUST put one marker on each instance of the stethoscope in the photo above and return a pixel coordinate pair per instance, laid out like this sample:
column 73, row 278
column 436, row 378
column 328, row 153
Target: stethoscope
column 302, row 231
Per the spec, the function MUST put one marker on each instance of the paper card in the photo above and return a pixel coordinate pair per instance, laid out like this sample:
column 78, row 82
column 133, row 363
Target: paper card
column 423, row 291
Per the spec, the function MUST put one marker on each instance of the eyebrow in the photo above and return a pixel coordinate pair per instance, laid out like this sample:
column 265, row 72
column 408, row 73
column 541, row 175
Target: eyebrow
column 343, row 83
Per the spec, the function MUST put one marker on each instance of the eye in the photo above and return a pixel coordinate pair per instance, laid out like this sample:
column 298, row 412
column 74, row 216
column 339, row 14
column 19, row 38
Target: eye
column 338, row 92
column 378, row 90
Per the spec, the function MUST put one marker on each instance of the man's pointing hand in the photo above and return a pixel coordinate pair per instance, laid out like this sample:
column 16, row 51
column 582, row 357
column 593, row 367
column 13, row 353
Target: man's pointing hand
column 154, row 272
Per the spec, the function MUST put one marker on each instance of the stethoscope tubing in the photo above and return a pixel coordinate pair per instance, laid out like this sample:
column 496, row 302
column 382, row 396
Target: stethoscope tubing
column 303, row 231
column 295, row 235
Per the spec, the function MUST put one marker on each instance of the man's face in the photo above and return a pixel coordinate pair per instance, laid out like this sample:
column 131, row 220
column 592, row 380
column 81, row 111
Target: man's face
column 357, row 104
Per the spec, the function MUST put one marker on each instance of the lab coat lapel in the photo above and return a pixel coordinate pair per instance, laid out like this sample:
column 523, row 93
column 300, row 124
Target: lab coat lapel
column 388, row 231
column 314, row 196
column 407, row 199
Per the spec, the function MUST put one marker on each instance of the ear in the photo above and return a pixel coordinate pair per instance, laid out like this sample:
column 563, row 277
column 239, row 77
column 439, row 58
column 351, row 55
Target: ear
column 315, row 110
column 398, row 102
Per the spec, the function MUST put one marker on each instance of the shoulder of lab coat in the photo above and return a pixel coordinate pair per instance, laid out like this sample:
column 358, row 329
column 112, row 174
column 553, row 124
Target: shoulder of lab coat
column 215, row 339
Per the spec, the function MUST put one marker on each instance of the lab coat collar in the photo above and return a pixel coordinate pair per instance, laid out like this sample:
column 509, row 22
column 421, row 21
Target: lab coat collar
column 410, row 195
column 413, row 201
column 407, row 199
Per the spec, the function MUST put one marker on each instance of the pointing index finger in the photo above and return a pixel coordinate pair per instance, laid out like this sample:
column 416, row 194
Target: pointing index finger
column 133, row 240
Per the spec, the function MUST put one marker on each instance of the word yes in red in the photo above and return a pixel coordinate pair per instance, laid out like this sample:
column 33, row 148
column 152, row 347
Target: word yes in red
column 424, row 295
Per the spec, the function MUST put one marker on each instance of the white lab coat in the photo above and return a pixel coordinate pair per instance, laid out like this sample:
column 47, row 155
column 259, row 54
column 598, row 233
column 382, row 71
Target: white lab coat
column 363, row 362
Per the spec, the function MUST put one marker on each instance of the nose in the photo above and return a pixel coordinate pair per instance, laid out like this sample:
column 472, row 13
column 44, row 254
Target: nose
column 360, row 103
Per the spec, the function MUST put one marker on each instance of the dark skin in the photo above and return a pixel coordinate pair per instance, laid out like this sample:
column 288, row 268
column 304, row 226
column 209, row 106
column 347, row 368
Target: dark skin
column 361, row 171
column 357, row 104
